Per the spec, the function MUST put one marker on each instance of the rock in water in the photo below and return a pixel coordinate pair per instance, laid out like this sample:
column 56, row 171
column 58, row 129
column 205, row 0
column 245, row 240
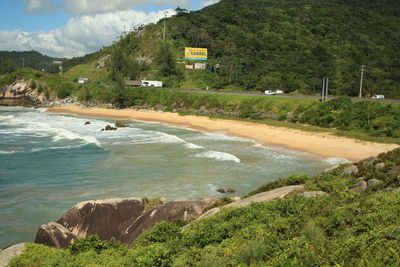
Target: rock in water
column 87, row 123
column 221, row 190
column 110, row 128
column 230, row 190
column 120, row 124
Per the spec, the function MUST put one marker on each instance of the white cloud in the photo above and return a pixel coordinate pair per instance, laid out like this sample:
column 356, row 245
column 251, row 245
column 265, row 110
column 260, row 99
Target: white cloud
column 100, row 6
column 209, row 2
column 81, row 35
column 38, row 5
column 85, row 7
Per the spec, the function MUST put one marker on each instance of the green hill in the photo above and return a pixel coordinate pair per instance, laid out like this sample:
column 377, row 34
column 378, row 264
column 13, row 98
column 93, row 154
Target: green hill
column 266, row 44
column 13, row 60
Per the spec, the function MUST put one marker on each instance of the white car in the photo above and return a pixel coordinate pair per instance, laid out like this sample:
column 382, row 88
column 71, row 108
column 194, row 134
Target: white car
column 270, row 92
column 378, row 97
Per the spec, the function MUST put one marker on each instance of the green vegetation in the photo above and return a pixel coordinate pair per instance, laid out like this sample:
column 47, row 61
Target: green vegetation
column 342, row 229
column 267, row 44
column 13, row 60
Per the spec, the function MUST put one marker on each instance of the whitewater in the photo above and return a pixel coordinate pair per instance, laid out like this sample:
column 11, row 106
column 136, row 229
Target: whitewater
column 50, row 162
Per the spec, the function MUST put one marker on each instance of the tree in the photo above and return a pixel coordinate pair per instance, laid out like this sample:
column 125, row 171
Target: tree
column 165, row 59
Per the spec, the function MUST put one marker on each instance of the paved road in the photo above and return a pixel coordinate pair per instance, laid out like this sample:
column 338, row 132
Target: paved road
column 387, row 101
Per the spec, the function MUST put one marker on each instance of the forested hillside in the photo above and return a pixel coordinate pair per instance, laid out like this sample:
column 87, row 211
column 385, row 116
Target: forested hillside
column 292, row 44
column 288, row 45
column 285, row 45
column 13, row 60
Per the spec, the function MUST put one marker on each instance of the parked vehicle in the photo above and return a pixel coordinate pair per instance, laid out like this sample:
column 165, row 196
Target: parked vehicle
column 270, row 92
column 151, row 83
column 378, row 97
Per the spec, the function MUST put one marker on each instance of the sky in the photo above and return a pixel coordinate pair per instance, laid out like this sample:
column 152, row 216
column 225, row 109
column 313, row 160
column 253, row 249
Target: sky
column 70, row 28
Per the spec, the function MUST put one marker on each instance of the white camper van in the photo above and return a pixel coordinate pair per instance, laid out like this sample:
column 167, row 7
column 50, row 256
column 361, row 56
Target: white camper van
column 151, row 83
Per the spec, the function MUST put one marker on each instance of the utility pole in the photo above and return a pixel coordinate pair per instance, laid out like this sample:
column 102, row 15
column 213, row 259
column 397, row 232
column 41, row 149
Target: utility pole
column 165, row 19
column 361, row 81
column 325, row 86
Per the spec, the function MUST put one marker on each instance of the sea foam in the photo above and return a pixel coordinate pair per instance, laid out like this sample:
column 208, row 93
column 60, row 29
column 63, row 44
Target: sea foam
column 219, row 156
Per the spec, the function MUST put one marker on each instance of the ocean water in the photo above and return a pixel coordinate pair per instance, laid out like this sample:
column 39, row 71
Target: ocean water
column 50, row 162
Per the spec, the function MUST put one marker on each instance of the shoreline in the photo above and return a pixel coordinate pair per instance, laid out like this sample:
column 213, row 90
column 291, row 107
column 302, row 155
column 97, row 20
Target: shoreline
column 324, row 145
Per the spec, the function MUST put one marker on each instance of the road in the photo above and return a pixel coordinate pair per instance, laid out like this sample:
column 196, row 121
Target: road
column 386, row 101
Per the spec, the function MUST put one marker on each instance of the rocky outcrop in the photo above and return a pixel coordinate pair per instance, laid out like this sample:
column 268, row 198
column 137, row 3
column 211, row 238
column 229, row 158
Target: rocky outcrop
column 7, row 254
column 312, row 194
column 171, row 211
column 21, row 92
column 350, row 170
column 106, row 218
column 115, row 219
column 110, row 128
column 279, row 193
column 120, row 124
column 360, row 187
column 54, row 235
column 373, row 182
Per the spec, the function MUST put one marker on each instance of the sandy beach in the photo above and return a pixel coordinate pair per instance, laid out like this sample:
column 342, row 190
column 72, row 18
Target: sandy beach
column 321, row 144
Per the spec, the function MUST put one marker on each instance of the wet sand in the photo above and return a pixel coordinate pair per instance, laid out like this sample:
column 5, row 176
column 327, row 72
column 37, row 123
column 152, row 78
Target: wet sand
column 321, row 144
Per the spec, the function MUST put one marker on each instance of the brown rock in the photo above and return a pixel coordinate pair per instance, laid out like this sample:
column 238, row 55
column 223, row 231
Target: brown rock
column 221, row 190
column 106, row 218
column 360, row 186
column 350, row 170
column 373, row 182
column 54, row 235
column 279, row 193
column 312, row 194
column 395, row 171
column 369, row 159
column 8, row 253
column 110, row 128
column 120, row 124
column 87, row 123
column 380, row 166
column 171, row 211
column 230, row 190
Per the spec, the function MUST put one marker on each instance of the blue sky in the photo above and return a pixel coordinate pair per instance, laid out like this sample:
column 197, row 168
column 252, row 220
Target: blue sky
column 67, row 28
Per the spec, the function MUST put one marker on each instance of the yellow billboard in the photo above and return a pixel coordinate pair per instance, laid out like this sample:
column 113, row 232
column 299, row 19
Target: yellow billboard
column 196, row 53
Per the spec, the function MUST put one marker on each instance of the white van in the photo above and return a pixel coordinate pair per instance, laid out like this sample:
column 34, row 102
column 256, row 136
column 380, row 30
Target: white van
column 378, row 97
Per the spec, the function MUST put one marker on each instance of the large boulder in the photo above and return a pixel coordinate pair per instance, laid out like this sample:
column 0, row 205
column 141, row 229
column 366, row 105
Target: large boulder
column 105, row 218
column 380, row 166
column 350, row 170
column 369, row 159
column 172, row 211
column 313, row 194
column 360, row 187
column 279, row 193
column 54, row 235
column 7, row 254
column 373, row 182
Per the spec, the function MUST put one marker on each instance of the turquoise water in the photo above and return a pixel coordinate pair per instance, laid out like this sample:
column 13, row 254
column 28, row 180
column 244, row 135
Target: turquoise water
column 50, row 162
